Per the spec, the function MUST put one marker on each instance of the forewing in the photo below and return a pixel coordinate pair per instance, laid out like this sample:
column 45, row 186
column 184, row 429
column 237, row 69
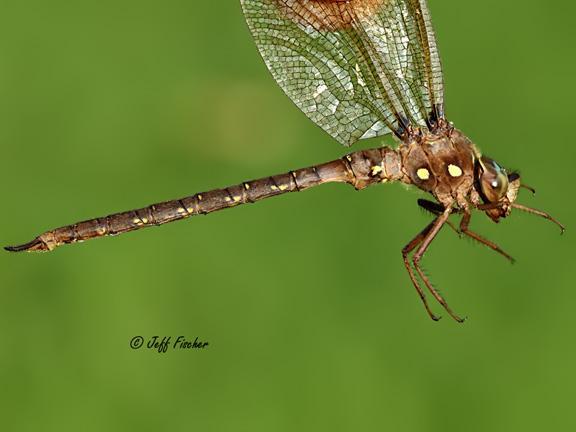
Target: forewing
column 357, row 68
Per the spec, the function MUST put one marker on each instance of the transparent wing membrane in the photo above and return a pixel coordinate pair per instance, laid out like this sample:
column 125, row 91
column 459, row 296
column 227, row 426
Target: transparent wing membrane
column 357, row 68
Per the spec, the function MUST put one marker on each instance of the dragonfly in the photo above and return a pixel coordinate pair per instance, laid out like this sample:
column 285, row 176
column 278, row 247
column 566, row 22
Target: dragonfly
column 358, row 69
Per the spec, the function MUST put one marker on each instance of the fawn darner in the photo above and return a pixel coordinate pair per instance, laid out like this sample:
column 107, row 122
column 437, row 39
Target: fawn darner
column 358, row 69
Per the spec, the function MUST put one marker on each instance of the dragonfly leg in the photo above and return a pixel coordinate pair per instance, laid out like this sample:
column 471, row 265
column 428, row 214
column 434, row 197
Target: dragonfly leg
column 405, row 252
column 464, row 228
column 437, row 209
column 429, row 236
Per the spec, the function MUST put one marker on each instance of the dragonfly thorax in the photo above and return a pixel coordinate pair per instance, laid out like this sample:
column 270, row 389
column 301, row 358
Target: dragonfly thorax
column 441, row 163
column 449, row 166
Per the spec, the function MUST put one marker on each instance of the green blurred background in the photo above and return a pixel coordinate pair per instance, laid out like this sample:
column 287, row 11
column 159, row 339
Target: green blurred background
column 312, row 321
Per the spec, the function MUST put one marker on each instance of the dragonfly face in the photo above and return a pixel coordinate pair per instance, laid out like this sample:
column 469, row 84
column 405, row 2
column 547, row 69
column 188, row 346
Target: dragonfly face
column 497, row 189
column 493, row 180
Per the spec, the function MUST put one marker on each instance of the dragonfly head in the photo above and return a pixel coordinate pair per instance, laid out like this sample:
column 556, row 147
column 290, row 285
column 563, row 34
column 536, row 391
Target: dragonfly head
column 499, row 190
column 496, row 187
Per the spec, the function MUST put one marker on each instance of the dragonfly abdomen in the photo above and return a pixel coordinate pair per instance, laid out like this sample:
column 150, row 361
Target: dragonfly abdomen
column 359, row 169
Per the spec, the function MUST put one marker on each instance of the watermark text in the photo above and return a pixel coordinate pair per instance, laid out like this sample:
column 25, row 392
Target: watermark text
column 163, row 344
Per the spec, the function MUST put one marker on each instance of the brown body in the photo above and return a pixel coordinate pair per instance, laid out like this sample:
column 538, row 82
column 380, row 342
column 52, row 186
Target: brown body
column 431, row 152
column 442, row 162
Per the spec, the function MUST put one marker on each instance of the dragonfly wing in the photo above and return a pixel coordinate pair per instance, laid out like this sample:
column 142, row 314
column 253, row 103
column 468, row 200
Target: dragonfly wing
column 357, row 68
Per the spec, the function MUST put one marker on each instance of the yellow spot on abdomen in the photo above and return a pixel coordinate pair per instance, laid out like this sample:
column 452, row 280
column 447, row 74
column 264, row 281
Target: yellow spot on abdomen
column 423, row 174
column 454, row 170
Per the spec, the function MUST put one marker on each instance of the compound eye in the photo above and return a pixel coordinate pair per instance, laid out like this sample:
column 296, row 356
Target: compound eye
column 493, row 180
